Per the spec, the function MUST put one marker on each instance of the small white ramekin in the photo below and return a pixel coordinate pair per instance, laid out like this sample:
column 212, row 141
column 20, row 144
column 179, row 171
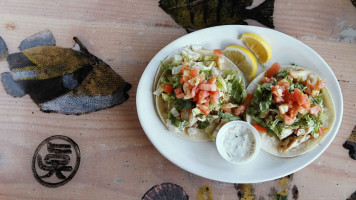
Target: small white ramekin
column 224, row 131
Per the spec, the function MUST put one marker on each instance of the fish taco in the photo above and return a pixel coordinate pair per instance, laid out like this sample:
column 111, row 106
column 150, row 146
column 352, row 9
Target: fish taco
column 198, row 90
column 292, row 109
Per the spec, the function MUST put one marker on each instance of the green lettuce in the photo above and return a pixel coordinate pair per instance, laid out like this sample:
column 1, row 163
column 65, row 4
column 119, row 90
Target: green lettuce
column 203, row 125
column 228, row 116
column 263, row 97
column 237, row 92
column 176, row 122
column 183, row 104
column 166, row 66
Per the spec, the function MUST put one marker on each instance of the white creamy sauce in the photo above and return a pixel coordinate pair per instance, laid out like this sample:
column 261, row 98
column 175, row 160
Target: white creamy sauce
column 239, row 143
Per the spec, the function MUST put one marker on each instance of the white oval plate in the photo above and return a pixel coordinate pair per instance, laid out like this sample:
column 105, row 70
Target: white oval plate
column 202, row 158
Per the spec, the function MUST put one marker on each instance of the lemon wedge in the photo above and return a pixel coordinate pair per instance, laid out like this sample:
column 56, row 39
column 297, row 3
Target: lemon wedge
column 258, row 46
column 243, row 58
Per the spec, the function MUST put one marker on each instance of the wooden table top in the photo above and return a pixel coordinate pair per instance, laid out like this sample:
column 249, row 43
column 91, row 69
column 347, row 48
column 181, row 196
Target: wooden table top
column 117, row 159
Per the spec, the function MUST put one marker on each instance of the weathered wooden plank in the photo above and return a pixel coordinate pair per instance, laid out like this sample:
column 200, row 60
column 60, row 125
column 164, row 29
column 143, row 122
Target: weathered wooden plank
column 325, row 19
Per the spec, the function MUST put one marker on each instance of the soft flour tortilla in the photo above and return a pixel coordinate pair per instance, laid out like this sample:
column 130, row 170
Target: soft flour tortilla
column 162, row 106
column 271, row 144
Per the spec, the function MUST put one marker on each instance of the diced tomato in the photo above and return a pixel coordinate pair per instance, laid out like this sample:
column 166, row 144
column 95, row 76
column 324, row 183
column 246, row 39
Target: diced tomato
column 186, row 87
column 298, row 96
column 186, row 72
column 193, row 92
column 286, row 96
column 288, row 120
column 207, row 87
column 167, row 88
column 307, row 105
column 214, row 98
column 321, row 131
column 290, row 104
column 203, row 100
column 214, row 101
column 205, row 109
column 248, row 99
column 194, row 81
column 194, row 72
column 202, row 96
column 285, row 85
column 315, row 110
column 303, row 100
column 186, row 75
column 181, row 81
column 315, row 93
column 293, row 109
column 297, row 108
column 219, row 58
column 301, row 110
column 179, row 96
column 273, row 70
column 178, row 91
column 278, row 99
column 219, row 61
column 187, row 94
column 293, row 113
column 185, row 66
column 260, row 128
column 197, row 91
column 241, row 108
column 309, row 88
column 218, row 52
column 318, row 86
column 266, row 80
column 277, row 92
column 321, row 84
column 227, row 110
column 196, row 97
column 201, row 77
column 185, row 78
column 212, row 80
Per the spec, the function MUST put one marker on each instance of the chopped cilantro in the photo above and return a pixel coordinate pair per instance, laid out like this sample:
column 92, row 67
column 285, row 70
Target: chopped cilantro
column 203, row 125
column 317, row 100
column 282, row 74
column 183, row 104
column 297, row 85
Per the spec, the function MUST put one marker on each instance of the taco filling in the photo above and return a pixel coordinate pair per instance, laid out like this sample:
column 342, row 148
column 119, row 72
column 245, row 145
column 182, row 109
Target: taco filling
column 288, row 104
column 199, row 90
